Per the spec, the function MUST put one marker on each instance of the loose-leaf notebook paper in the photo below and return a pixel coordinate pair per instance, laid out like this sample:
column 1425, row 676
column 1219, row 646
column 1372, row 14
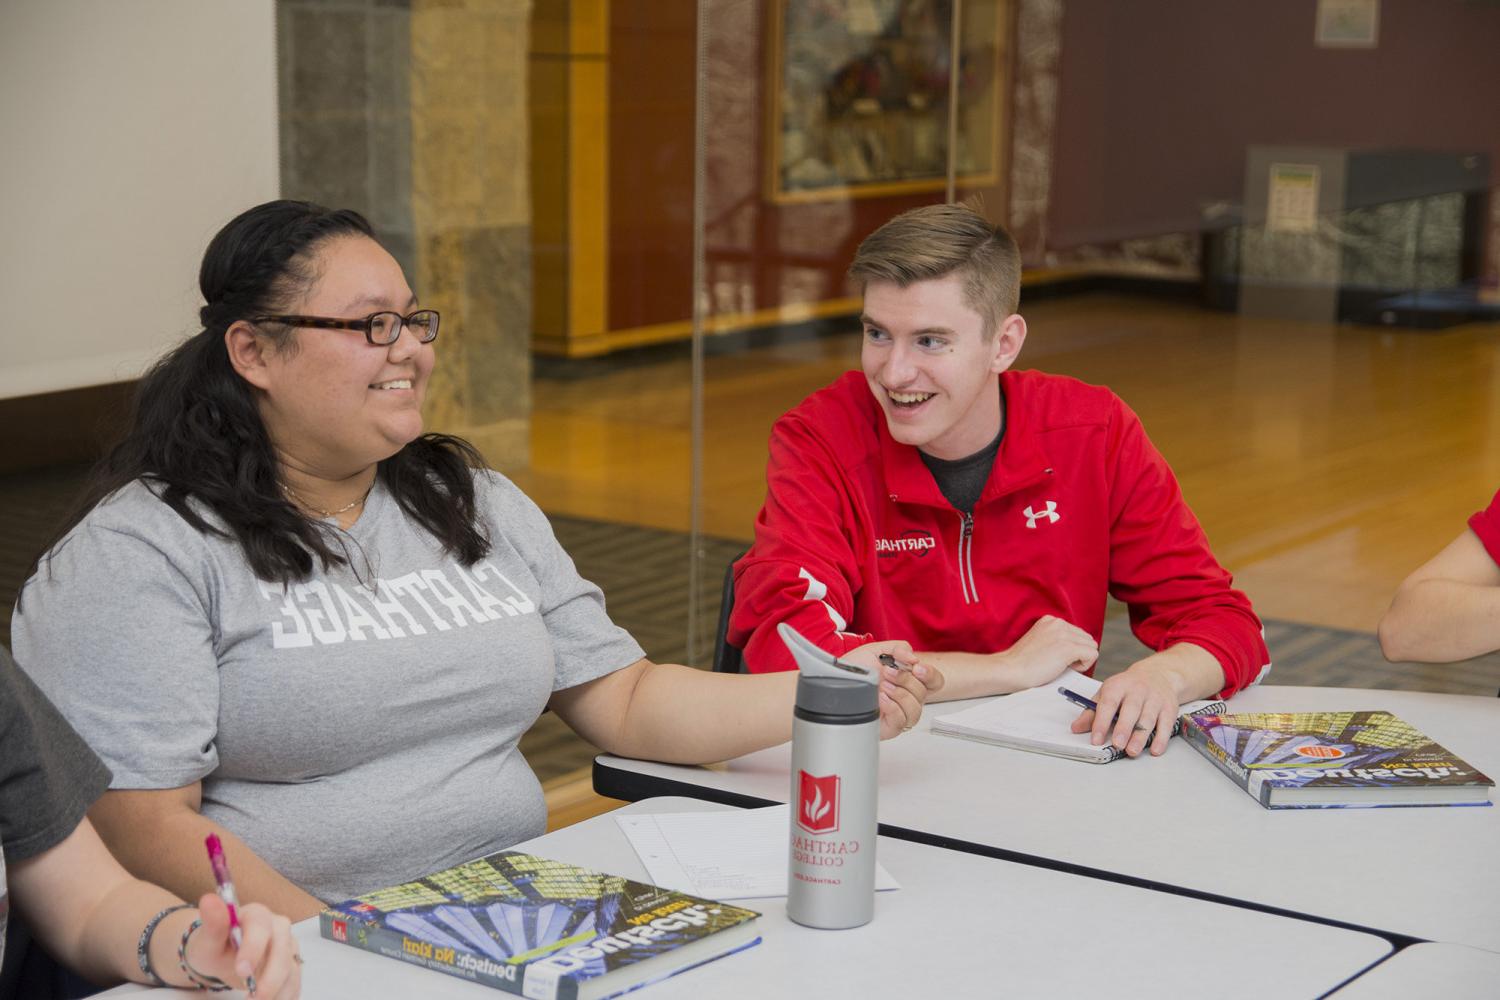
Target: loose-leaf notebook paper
column 730, row 854
column 1037, row 720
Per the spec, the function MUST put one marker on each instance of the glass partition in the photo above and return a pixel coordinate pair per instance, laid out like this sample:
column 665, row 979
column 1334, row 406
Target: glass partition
column 1273, row 234
column 1247, row 221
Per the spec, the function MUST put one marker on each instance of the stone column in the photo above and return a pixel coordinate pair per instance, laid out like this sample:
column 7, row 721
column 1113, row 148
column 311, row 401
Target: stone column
column 471, row 215
column 414, row 113
column 344, row 71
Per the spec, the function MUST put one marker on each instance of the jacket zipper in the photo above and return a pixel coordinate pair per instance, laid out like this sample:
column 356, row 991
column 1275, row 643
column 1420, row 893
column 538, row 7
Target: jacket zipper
column 965, row 557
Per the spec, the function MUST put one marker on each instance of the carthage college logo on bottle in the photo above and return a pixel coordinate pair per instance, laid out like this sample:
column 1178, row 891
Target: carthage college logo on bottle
column 818, row 803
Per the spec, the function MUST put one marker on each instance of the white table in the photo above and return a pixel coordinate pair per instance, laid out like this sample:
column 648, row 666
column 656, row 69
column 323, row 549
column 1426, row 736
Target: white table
column 1176, row 821
column 962, row 925
column 1449, row 971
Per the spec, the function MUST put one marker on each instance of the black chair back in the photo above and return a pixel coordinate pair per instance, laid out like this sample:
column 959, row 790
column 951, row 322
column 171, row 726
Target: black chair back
column 727, row 659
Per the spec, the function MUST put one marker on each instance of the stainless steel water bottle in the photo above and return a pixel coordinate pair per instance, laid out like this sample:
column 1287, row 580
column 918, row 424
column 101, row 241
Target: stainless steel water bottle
column 835, row 759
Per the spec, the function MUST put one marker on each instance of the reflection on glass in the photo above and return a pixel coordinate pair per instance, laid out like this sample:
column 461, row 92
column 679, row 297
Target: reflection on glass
column 863, row 96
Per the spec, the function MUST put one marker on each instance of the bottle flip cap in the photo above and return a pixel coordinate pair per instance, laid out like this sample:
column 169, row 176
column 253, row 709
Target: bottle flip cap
column 827, row 685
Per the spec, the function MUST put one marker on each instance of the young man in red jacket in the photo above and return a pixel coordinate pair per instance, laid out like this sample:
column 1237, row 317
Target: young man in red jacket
column 981, row 513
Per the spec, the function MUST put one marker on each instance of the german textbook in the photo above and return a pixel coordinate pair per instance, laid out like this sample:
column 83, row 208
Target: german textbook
column 543, row 929
column 1330, row 760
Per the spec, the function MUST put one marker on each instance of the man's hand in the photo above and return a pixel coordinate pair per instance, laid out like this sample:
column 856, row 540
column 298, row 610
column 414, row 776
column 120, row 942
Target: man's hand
column 902, row 692
column 1147, row 696
column 1138, row 701
column 1047, row 649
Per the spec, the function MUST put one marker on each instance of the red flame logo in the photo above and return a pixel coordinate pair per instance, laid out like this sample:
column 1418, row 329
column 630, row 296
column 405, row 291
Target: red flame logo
column 818, row 802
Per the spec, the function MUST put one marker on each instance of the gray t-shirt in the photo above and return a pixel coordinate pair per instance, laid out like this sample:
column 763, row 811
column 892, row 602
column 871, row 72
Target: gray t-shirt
column 355, row 736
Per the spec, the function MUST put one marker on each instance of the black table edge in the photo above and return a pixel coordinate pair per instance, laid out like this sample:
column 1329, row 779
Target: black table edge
column 631, row 786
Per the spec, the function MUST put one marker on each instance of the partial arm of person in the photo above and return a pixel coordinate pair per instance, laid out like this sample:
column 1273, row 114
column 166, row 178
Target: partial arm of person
column 803, row 571
column 1206, row 637
column 1448, row 609
column 675, row 714
column 1049, row 648
column 791, row 592
column 90, row 913
column 158, row 835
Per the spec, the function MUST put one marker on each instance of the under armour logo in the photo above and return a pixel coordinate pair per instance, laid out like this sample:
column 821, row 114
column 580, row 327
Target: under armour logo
column 1050, row 514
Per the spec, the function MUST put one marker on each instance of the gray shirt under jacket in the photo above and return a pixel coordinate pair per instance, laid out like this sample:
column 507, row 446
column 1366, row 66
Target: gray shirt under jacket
column 356, row 731
column 962, row 479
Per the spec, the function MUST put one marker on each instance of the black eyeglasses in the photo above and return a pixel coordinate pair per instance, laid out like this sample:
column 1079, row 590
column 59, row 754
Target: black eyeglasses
column 381, row 329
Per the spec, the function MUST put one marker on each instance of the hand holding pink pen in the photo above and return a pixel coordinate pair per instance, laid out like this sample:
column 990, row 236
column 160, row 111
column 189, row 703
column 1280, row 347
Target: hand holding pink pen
column 226, row 892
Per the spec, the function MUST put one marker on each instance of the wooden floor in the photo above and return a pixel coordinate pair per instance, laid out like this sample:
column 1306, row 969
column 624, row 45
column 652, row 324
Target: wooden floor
column 1325, row 461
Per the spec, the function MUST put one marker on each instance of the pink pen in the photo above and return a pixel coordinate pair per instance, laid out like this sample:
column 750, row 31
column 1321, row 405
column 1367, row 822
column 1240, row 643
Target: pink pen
column 226, row 893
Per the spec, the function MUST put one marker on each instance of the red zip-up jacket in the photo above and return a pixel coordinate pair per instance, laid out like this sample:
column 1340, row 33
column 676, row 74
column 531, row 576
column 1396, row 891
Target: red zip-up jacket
column 856, row 542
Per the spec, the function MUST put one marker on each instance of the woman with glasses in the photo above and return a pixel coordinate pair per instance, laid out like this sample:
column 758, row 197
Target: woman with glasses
column 286, row 615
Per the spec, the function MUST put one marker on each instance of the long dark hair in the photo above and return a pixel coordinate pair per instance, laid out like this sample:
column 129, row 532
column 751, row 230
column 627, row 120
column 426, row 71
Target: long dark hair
column 195, row 430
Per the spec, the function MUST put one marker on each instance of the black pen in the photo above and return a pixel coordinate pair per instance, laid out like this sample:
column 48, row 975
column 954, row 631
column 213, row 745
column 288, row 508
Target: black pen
column 1083, row 701
column 890, row 661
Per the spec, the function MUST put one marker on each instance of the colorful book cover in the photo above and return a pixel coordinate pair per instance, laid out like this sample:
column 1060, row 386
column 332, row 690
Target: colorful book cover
column 544, row 929
column 1329, row 760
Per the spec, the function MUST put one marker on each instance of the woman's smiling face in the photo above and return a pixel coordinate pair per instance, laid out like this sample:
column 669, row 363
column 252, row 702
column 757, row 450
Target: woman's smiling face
column 330, row 400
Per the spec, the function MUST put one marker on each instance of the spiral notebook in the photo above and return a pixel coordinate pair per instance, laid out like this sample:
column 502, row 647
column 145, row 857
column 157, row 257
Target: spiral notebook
column 1037, row 720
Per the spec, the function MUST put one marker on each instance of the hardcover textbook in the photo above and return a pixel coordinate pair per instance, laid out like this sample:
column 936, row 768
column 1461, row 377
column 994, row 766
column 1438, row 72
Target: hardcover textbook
column 543, row 929
column 1038, row 718
column 1331, row 760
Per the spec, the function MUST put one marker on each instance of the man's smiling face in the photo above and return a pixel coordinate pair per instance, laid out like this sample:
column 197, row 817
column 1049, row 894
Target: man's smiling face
column 932, row 368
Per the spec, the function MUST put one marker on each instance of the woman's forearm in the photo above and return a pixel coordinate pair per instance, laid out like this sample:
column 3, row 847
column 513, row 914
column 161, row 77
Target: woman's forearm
column 106, row 944
column 94, row 916
column 159, row 838
column 679, row 715
column 684, row 716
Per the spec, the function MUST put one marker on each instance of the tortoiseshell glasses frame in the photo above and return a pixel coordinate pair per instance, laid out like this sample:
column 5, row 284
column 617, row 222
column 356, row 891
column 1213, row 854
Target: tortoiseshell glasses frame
column 381, row 329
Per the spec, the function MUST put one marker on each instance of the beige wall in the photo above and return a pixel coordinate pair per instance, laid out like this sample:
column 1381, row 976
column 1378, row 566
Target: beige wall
column 132, row 132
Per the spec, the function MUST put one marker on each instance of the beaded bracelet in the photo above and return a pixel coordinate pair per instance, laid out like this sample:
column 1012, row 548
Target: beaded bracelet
column 212, row 984
column 143, row 946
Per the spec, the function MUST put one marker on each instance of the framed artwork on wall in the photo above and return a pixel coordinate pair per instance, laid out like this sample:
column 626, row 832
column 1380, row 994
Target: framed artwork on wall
column 859, row 99
column 1348, row 24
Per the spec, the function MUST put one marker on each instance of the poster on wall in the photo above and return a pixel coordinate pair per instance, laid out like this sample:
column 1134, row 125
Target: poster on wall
column 1292, row 201
column 1347, row 24
column 860, row 101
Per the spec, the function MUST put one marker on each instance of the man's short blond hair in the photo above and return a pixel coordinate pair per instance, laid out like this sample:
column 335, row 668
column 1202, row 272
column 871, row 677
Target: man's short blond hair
column 935, row 241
